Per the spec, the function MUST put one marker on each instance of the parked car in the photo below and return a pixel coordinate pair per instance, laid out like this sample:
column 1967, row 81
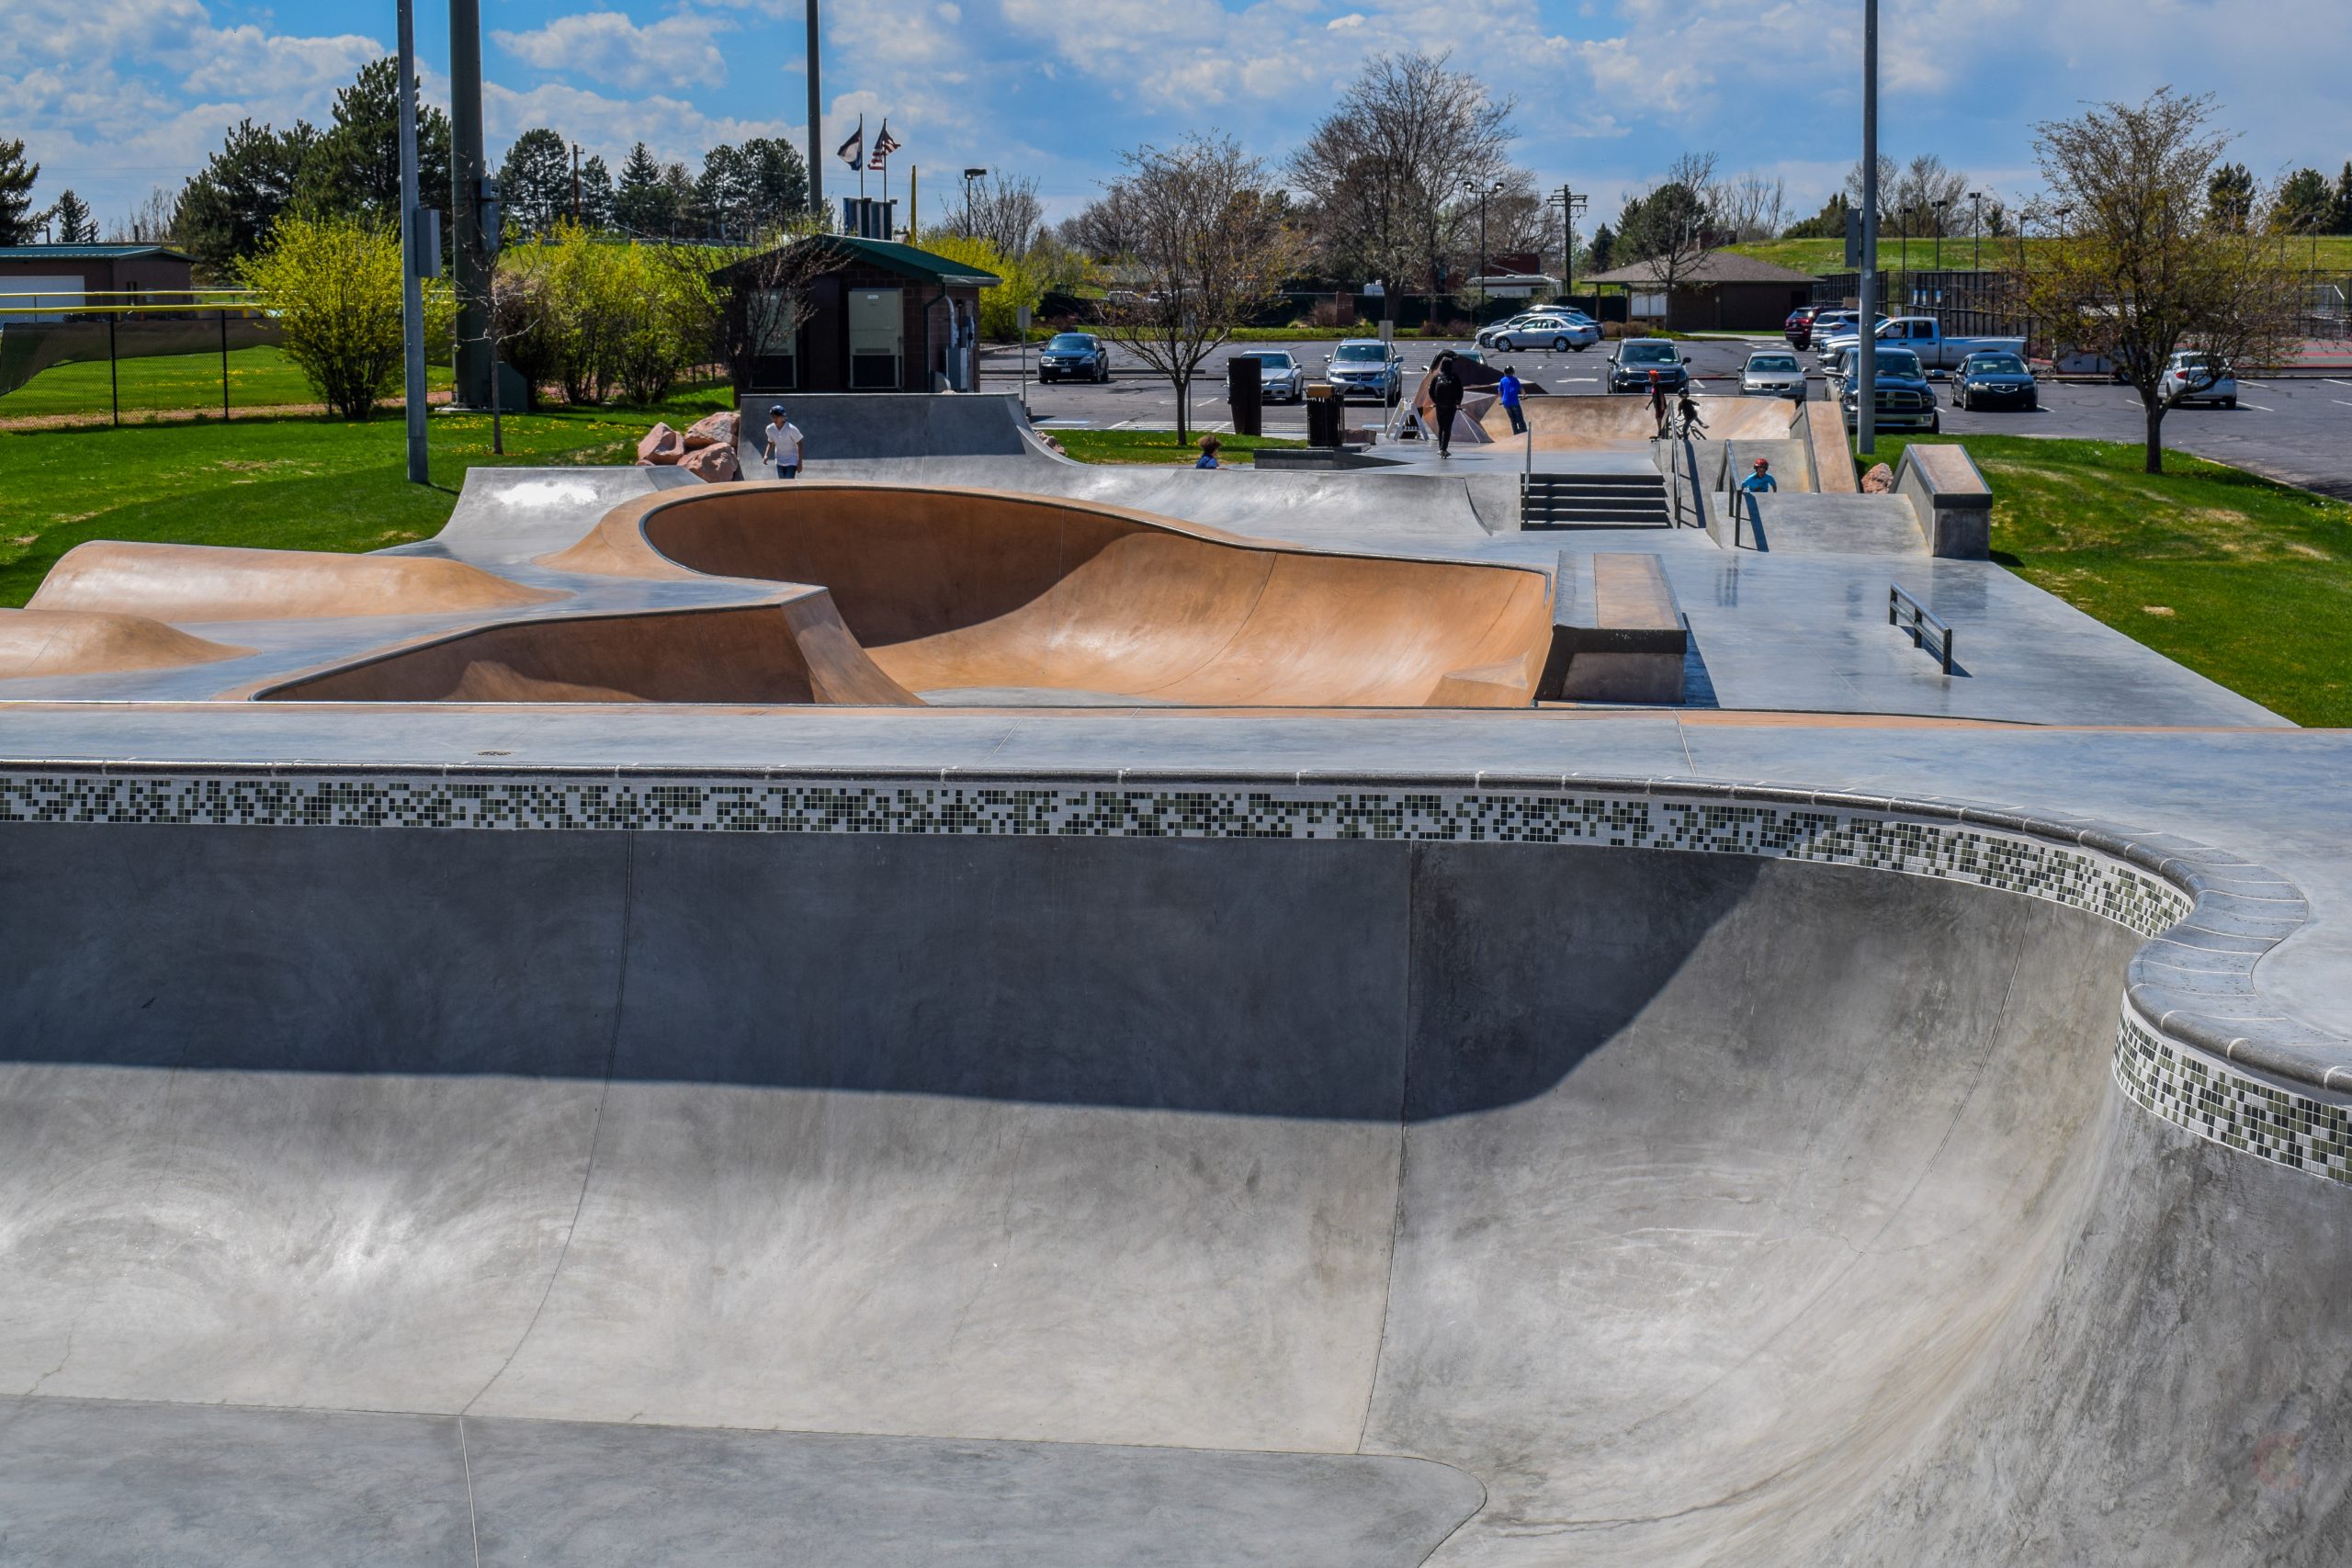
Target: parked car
column 1772, row 372
column 1486, row 334
column 1904, row 400
column 1995, row 379
column 1074, row 357
column 1834, row 331
column 1559, row 333
column 1366, row 367
column 1635, row 357
column 1798, row 328
column 1940, row 350
column 2193, row 376
column 1282, row 377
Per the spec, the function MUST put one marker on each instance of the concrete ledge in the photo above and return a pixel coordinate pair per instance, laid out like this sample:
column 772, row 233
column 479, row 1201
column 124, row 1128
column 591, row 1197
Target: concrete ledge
column 1833, row 461
column 1617, row 634
column 1953, row 502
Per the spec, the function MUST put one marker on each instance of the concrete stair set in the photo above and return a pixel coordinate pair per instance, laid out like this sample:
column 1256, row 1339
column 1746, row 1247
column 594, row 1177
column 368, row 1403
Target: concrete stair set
column 1594, row 501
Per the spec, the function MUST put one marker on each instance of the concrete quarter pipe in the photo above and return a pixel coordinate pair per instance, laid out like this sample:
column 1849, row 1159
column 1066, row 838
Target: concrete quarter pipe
column 885, row 1181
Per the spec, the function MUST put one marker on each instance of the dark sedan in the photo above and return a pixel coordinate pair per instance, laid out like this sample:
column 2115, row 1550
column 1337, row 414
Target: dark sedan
column 1995, row 381
column 1639, row 358
column 1074, row 357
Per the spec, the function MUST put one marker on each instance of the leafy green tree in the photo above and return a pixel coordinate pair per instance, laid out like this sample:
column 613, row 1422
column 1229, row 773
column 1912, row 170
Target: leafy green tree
column 2306, row 203
column 74, row 223
column 2229, row 198
column 19, row 222
column 643, row 202
column 1830, row 223
column 334, row 283
column 535, row 181
column 226, row 210
column 355, row 167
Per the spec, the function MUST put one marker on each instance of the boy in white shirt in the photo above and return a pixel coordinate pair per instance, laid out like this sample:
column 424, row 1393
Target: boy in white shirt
column 783, row 445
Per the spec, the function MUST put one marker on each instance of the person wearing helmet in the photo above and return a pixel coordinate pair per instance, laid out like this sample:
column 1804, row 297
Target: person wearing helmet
column 1759, row 479
column 783, row 445
column 1657, row 405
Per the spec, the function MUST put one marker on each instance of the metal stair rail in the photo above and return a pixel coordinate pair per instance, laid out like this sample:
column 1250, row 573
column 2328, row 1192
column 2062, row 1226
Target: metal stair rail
column 1593, row 501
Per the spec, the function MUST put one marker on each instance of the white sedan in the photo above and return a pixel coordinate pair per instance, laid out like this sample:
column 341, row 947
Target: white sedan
column 2192, row 377
column 1559, row 333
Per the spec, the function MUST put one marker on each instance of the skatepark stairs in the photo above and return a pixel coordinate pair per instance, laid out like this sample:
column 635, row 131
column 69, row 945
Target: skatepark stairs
column 1593, row 501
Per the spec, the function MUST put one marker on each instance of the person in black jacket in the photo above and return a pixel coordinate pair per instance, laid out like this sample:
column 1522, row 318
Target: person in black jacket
column 1445, row 400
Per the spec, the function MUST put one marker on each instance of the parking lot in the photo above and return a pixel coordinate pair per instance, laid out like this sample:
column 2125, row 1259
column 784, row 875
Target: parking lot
column 2294, row 428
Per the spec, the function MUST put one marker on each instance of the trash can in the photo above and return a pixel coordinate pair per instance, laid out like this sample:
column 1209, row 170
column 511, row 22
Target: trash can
column 1326, row 413
column 1245, row 393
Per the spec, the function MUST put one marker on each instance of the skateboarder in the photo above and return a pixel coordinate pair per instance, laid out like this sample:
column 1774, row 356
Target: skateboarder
column 1445, row 400
column 1760, row 481
column 783, row 445
column 1507, row 393
column 1657, row 405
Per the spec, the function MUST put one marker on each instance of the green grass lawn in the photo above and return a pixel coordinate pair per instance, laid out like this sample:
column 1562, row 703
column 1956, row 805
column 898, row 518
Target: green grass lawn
column 2246, row 581
column 1822, row 257
column 1158, row 447
column 258, row 377
column 296, row 483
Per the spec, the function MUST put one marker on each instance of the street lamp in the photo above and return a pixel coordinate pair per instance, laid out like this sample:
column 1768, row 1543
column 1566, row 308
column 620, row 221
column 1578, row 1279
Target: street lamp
column 972, row 177
column 1976, row 260
column 1482, row 190
column 1939, row 204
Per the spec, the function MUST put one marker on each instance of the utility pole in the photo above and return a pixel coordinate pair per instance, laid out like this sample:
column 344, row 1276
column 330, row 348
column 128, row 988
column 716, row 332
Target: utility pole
column 1482, row 190
column 1571, row 207
column 1976, row 225
column 1866, row 351
column 1939, row 204
column 466, row 172
column 412, row 262
column 575, row 182
column 816, row 120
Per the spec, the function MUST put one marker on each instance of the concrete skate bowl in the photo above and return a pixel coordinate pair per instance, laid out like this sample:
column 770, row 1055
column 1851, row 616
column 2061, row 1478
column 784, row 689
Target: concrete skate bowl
column 916, row 1195
column 211, row 583
column 964, row 597
column 1583, row 424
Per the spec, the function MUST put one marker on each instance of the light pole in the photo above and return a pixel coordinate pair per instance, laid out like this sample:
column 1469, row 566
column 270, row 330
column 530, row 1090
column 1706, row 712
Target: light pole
column 816, row 133
column 971, row 178
column 412, row 260
column 1482, row 190
column 1866, row 354
column 1939, row 204
column 1976, row 226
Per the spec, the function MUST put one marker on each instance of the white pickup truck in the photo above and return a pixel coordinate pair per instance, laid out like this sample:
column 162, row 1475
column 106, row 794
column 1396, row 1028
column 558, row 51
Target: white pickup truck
column 1925, row 336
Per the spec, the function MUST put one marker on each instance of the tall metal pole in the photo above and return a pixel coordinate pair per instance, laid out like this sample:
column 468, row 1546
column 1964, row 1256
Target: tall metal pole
column 1866, row 368
column 466, row 173
column 816, row 133
column 412, row 265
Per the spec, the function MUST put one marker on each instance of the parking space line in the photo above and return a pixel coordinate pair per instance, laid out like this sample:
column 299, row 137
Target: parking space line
column 2339, row 402
column 2257, row 406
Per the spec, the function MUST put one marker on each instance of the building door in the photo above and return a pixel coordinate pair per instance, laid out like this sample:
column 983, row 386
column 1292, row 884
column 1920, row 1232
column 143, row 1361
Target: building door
column 878, row 325
column 774, row 327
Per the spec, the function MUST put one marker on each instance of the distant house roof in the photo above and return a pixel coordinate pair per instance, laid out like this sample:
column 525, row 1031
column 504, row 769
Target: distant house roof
column 1716, row 267
column 89, row 253
column 923, row 266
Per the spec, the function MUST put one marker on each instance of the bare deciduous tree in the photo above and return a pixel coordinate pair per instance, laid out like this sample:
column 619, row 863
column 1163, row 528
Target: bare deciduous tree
column 1672, row 226
column 1104, row 229
column 1210, row 245
column 2146, row 268
column 1003, row 210
column 1388, row 173
column 1916, row 186
column 1754, row 208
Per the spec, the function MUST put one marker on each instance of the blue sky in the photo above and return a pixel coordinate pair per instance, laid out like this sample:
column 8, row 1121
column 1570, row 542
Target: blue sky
column 117, row 96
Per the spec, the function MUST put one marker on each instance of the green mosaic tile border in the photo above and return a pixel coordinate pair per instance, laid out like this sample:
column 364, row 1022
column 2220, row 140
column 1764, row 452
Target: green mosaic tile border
column 2168, row 1075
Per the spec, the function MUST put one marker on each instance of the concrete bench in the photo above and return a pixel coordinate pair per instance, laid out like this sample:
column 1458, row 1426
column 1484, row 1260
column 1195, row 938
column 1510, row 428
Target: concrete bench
column 1953, row 502
column 1617, row 633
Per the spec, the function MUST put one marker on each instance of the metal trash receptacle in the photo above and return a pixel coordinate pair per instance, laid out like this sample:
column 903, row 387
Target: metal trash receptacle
column 1325, row 414
column 1245, row 393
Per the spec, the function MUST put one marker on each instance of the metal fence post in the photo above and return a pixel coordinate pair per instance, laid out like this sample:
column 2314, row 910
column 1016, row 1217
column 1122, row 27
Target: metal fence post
column 113, row 381
column 224, row 367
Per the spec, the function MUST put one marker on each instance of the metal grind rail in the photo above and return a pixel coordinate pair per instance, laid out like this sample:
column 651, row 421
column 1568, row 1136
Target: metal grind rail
column 1907, row 614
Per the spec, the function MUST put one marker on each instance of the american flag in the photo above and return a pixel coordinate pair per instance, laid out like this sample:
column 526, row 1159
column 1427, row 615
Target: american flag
column 883, row 147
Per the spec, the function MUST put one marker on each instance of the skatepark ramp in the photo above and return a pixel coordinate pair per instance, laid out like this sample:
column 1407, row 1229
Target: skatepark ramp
column 978, row 596
column 1051, row 1172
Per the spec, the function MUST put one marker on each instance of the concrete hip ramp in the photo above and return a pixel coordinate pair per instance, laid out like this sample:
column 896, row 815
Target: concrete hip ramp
column 928, row 1195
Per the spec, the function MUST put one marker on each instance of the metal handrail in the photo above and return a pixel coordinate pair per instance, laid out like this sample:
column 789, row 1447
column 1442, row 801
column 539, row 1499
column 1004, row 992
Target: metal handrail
column 1908, row 615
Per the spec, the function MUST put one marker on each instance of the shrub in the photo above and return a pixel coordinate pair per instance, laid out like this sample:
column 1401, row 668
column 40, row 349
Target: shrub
column 334, row 285
column 1000, row 306
column 601, row 317
column 1326, row 313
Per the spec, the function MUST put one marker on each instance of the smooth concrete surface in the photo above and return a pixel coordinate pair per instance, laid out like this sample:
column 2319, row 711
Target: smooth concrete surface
column 1574, row 424
column 1661, row 1206
column 88, row 642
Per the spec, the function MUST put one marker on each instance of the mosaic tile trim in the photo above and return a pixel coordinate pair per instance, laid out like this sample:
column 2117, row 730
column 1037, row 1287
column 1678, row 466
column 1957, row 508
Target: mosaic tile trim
column 2191, row 1090
column 2165, row 1075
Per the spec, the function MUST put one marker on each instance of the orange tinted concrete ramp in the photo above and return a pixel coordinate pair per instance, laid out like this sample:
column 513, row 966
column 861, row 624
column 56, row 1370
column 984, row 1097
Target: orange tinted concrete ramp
column 1582, row 423
column 211, row 583
column 972, row 590
column 796, row 651
column 73, row 642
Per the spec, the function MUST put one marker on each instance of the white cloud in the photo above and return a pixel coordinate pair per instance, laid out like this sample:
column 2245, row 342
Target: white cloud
column 673, row 129
column 605, row 45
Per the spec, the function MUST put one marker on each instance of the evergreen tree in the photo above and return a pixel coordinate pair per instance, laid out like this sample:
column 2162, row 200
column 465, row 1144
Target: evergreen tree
column 1830, row 223
column 226, row 210
column 719, row 189
column 355, row 169
column 595, row 194
column 2229, row 197
column 2343, row 216
column 641, row 201
column 776, row 184
column 19, row 222
column 2306, row 203
column 684, row 213
column 535, row 182
column 74, row 223
column 1603, row 252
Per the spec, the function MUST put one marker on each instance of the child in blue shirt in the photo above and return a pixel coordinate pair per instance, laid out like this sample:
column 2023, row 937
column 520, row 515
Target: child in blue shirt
column 1507, row 392
column 1209, row 445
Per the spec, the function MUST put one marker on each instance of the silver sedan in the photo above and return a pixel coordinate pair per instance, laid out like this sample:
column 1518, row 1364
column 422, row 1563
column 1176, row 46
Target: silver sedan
column 1772, row 373
column 1560, row 334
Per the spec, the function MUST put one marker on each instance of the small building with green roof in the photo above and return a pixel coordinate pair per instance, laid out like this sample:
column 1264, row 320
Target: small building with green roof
column 837, row 313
